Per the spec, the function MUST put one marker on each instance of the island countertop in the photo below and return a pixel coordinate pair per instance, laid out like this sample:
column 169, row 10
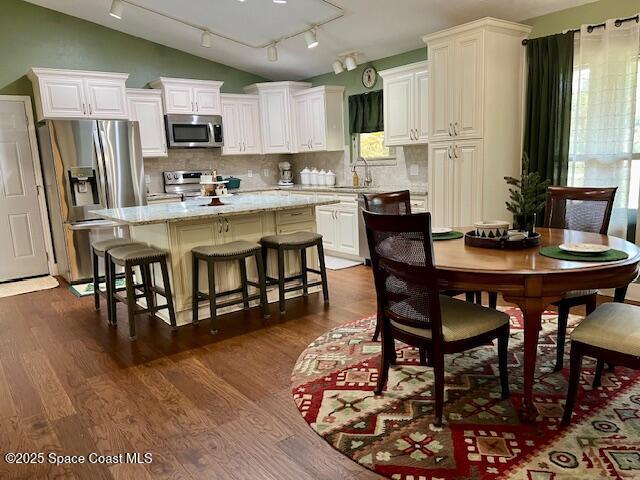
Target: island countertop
column 197, row 209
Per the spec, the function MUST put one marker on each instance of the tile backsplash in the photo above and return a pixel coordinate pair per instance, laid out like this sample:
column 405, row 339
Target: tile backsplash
column 409, row 170
column 264, row 168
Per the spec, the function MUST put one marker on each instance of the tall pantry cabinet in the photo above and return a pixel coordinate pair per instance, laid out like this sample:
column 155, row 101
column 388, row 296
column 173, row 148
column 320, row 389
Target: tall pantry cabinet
column 475, row 119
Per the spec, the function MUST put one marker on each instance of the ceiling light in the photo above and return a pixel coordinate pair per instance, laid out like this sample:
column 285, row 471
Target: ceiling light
column 350, row 62
column 117, row 6
column 280, row 2
column 272, row 52
column 338, row 67
column 205, row 39
column 310, row 37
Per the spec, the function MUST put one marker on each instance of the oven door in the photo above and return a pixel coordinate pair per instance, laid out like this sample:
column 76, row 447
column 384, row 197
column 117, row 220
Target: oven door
column 194, row 131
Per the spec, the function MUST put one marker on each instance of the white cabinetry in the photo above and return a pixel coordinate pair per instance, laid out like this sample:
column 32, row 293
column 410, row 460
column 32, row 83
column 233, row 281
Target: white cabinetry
column 338, row 224
column 475, row 119
column 277, row 116
column 145, row 107
column 61, row 94
column 190, row 97
column 241, row 119
column 319, row 119
column 406, row 104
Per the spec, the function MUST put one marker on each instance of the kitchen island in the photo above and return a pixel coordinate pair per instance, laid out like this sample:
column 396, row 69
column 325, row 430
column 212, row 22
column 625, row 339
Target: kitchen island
column 178, row 227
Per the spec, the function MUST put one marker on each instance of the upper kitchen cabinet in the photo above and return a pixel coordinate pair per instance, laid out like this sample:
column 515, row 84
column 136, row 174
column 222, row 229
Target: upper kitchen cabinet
column 277, row 116
column 241, row 119
column 406, row 104
column 319, row 119
column 61, row 94
column 190, row 97
column 475, row 118
column 145, row 107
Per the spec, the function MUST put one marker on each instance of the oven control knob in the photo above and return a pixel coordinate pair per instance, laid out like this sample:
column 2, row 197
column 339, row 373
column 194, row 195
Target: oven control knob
column 168, row 176
column 175, row 175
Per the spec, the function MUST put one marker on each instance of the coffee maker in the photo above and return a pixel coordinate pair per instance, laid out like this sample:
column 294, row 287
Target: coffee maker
column 286, row 176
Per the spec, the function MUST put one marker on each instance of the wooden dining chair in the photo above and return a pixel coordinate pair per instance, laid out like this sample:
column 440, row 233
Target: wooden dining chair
column 398, row 203
column 413, row 310
column 611, row 333
column 585, row 209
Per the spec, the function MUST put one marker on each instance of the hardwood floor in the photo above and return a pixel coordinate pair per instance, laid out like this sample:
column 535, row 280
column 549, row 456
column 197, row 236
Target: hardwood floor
column 205, row 407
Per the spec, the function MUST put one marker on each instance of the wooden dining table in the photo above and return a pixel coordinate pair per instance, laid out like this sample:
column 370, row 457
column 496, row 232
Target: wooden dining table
column 533, row 281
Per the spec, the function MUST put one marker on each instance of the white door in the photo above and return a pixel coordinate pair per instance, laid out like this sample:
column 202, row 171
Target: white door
column 421, row 102
column 326, row 226
column 22, row 252
column 398, row 110
column 207, row 100
column 62, row 97
column 317, row 122
column 441, row 95
column 467, row 184
column 303, row 122
column 106, row 99
column 232, row 128
column 179, row 99
column 469, row 86
column 147, row 111
column 250, row 121
column 440, row 184
column 347, row 231
column 275, row 121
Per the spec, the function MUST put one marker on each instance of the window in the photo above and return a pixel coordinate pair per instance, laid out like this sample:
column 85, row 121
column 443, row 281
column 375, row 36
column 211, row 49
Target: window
column 370, row 146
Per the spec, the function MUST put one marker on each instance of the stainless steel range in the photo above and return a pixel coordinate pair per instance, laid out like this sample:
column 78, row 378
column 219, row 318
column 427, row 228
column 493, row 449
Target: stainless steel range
column 184, row 182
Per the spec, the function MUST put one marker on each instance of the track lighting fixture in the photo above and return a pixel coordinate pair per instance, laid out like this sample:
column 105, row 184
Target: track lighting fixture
column 280, row 2
column 310, row 37
column 205, row 39
column 117, row 6
column 350, row 62
column 338, row 67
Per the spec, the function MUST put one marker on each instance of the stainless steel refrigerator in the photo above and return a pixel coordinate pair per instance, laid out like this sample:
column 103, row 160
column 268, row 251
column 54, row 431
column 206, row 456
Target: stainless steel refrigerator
column 88, row 165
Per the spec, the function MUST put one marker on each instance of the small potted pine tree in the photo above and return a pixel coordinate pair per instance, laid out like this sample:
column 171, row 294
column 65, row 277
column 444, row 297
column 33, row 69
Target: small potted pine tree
column 527, row 196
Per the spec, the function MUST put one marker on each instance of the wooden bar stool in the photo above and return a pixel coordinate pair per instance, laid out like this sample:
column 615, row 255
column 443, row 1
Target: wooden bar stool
column 299, row 241
column 143, row 257
column 98, row 250
column 211, row 254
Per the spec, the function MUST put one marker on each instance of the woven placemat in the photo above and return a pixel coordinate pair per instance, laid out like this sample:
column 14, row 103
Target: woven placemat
column 609, row 256
column 447, row 236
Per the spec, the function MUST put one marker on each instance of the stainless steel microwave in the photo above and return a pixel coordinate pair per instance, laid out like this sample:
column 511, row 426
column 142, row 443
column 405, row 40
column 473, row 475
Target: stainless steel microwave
column 194, row 131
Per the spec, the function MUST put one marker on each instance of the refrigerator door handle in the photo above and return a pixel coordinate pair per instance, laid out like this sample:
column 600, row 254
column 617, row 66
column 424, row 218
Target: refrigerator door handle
column 102, row 177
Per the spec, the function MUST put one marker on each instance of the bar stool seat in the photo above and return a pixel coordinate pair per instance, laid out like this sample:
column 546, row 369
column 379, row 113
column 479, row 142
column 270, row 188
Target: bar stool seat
column 291, row 239
column 98, row 250
column 298, row 241
column 141, row 256
column 239, row 247
column 239, row 251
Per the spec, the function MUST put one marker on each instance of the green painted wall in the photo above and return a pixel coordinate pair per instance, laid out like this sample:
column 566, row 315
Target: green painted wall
column 595, row 12
column 352, row 81
column 32, row 36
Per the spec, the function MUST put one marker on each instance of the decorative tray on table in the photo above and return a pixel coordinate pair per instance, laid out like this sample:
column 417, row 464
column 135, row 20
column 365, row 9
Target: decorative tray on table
column 473, row 240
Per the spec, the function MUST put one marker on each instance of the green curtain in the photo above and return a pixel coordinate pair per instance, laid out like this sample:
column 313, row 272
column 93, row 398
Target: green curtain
column 365, row 112
column 548, row 114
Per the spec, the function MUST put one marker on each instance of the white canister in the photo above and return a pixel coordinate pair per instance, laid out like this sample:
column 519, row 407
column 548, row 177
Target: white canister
column 305, row 176
column 330, row 179
column 322, row 176
column 313, row 177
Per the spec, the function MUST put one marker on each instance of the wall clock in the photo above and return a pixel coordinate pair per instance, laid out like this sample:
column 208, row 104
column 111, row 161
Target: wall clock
column 369, row 77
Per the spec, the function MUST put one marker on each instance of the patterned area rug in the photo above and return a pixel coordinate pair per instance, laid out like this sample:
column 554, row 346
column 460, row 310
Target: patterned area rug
column 392, row 434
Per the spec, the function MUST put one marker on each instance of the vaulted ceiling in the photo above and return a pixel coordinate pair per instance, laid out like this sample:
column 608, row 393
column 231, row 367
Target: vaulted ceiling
column 374, row 28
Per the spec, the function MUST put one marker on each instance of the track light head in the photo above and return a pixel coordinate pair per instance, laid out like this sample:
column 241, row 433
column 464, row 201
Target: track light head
column 310, row 37
column 350, row 62
column 205, row 39
column 272, row 52
column 117, row 6
column 338, row 67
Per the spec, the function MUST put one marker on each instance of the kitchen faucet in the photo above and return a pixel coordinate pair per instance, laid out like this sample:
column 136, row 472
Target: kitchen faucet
column 367, row 172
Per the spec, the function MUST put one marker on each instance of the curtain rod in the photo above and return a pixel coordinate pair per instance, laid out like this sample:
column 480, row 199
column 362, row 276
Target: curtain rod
column 591, row 28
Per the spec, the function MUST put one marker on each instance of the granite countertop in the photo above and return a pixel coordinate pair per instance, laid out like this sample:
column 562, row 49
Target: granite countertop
column 336, row 189
column 197, row 209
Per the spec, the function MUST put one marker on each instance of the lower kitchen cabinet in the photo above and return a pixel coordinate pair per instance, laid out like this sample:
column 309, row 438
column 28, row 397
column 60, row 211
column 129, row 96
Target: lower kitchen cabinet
column 338, row 224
